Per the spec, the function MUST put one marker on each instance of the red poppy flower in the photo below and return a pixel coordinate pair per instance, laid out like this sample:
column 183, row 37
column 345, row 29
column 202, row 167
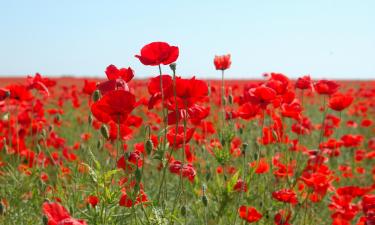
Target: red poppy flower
column 89, row 87
column 368, row 207
column 222, row 62
column 304, row 83
column 285, row 195
column 92, row 200
column 157, row 53
column 240, row 186
column 261, row 95
column 339, row 102
column 292, row 110
column 115, row 106
column 186, row 170
column 326, row 87
column 154, row 88
column 19, row 92
column 113, row 73
column 261, row 166
column 278, row 82
column 58, row 215
column 352, row 140
column 39, row 83
column 179, row 136
column 126, row 200
column 250, row 214
column 248, row 110
column 4, row 93
column 283, row 217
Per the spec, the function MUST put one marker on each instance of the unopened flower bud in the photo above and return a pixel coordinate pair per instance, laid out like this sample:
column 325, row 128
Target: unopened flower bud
column 96, row 95
column 173, row 67
column 99, row 144
column 90, row 119
column 230, row 99
column 104, row 131
column 183, row 210
column 204, row 200
column 45, row 220
column 149, row 146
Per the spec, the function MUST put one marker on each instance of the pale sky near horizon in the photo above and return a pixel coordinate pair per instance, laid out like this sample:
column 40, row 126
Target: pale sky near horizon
column 323, row 38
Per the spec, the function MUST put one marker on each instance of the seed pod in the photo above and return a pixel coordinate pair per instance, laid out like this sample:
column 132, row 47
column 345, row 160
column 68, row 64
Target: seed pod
column 104, row 131
column 7, row 93
column 96, row 95
column 149, row 146
column 204, row 200
column 183, row 210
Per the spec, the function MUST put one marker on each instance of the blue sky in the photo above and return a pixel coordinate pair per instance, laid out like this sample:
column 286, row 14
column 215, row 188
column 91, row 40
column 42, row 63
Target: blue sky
column 324, row 38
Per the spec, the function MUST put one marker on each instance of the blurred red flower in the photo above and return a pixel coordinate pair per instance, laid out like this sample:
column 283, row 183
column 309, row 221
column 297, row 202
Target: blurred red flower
column 339, row 102
column 326, row 87
column 58, row 215
column 285, row 195
column 250, row 214
column 304, row 83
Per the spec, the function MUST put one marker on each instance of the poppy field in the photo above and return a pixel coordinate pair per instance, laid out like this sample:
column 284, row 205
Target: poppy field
column 179, row 149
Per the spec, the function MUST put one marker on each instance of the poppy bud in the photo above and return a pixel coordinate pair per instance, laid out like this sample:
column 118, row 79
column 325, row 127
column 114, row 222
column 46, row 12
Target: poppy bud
column 104, row 131
column 43, row 133
column 5, row 148
column 222, row 141
column 58, row 118
column 45, row 220
column 2, row 209
column 90, row 119
column 241, row 130
column 149, row 146
column 96, row 95
column 230, row 99
column 99, row 144
column 204, row 200
column 208, row 176
column 138, row 175
column 244, row 147
column 173, row 67
column 38, row 148
column 224, row 100
column 183, row 210
column 204, row 187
